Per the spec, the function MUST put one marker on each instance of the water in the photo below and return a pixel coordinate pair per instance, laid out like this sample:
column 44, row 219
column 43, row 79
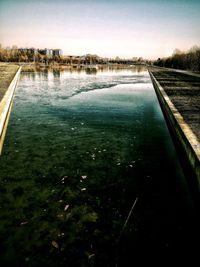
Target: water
column 80, row 148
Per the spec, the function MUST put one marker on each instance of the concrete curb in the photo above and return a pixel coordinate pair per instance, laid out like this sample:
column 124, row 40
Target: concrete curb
column 5, row 107
column 184, row 134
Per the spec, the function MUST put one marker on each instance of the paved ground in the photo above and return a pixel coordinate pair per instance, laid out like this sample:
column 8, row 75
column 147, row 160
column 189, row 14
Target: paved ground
column 183, row 90
column 7, row 73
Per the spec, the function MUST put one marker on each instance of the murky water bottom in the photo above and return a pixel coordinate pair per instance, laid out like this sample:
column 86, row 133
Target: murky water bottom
column 80, row 149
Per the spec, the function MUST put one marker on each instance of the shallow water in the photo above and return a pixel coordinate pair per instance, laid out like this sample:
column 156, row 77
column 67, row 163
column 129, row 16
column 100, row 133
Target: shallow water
column 79, row 150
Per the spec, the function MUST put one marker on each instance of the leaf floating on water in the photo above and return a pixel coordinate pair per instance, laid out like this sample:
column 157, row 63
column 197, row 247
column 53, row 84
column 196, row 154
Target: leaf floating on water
column 83, row 189
column 66, row 207
column 63, row 179
column 93, row 156
column 54, row 244
column 60, row 215
column 23, row 223
column 91, row 256
column 61, row 234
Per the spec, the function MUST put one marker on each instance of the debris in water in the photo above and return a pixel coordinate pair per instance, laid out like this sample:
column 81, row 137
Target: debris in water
column 83, row 189
column 91, row 256
column 61, row 234
column 64, row 177
column 66, row 207
column 23, row 223
column 54, row 244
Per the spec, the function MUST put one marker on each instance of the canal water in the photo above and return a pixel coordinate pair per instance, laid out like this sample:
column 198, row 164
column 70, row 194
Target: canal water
column 89, row 175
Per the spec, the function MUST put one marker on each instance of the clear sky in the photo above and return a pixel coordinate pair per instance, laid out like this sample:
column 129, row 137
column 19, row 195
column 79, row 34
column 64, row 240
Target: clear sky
column 125, row 28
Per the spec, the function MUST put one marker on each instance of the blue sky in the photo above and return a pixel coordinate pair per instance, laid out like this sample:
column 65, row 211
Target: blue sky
column 148, row 28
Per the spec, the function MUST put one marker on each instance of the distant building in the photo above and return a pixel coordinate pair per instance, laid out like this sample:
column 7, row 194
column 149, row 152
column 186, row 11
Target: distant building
column 134, row 58
column 45, row 52
column 30, row 53
column 14, row 47
column 27, row 51
column 56, row 52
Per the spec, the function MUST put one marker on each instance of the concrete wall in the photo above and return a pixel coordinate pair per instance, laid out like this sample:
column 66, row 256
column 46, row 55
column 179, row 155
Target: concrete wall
column 184, row 134
column 6, row 106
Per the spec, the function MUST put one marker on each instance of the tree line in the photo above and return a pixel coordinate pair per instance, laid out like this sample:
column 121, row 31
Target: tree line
column 26, row 55
column 189, row 60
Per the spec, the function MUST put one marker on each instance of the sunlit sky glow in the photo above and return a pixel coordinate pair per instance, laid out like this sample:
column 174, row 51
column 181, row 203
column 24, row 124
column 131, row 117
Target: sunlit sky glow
column 125, row 28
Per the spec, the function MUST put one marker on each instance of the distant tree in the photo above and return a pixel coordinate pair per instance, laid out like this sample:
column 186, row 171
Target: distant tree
column 194, row 49
column 189, row 60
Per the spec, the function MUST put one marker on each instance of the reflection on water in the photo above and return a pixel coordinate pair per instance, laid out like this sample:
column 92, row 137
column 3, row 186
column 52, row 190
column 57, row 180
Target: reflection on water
column 79, row 150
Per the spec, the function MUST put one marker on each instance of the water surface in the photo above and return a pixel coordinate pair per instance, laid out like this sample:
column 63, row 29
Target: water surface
column 80, row 149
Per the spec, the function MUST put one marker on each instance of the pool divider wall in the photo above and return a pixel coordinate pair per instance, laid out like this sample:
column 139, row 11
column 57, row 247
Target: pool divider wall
column 6, row 106
column 183, row 132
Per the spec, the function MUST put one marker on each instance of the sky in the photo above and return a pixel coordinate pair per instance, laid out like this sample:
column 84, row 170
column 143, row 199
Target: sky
column 109, row 28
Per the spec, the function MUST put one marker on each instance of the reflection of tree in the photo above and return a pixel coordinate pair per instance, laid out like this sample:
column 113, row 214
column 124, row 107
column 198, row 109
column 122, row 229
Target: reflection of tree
column 56, row 73
column 91, row 70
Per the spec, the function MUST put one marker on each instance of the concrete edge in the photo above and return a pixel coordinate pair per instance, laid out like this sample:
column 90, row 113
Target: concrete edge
column 5, row 107
column 187, row 72
column 183, row 132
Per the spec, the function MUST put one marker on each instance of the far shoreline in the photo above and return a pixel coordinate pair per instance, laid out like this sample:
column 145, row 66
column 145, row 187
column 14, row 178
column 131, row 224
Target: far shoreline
column 37, row 67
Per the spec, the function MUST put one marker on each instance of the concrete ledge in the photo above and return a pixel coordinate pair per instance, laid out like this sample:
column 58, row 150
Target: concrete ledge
column 5, row 107
column 183, row 132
